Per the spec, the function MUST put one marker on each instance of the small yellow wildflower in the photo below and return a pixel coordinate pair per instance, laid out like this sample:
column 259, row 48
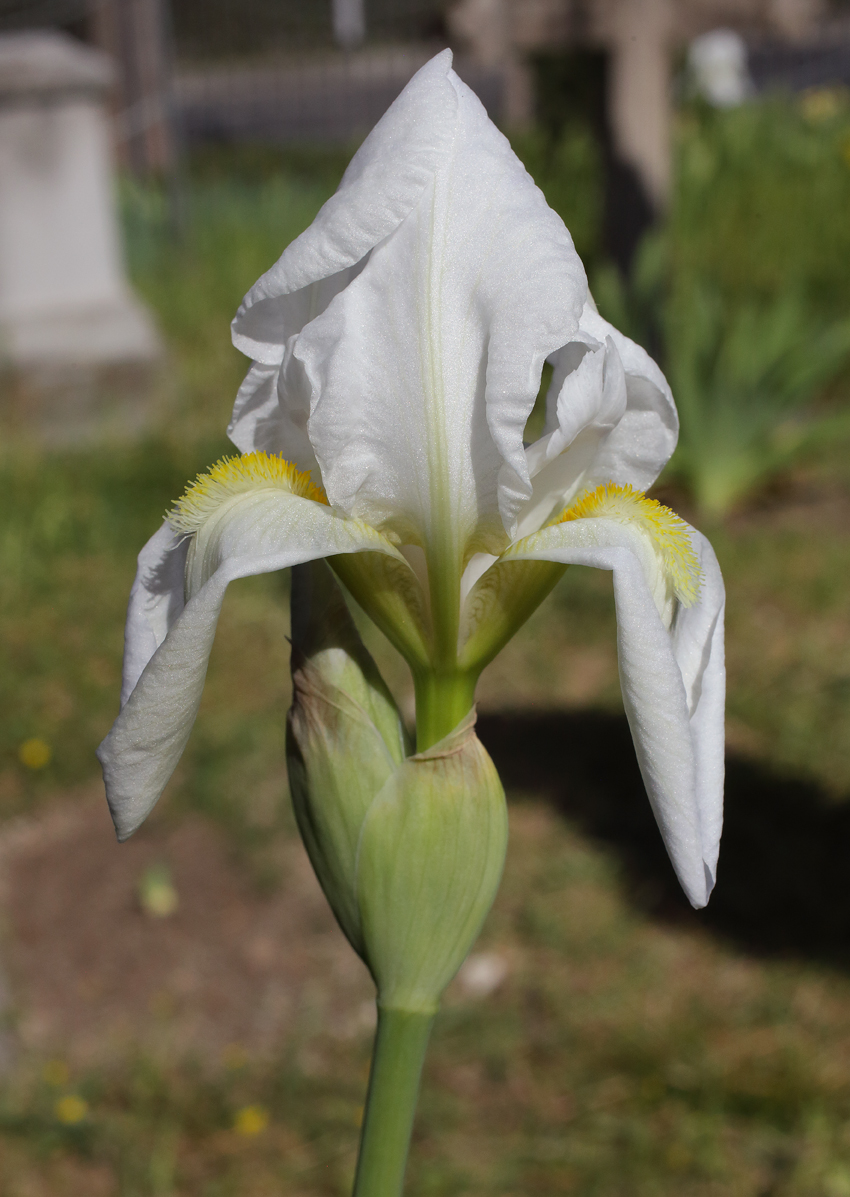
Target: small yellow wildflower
column 35, row 753
column 822, row 103
column 251, row 1120
column 71, row 1109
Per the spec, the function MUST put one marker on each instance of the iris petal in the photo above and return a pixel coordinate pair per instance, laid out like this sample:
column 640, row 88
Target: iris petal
column 673, row 684
column 169, row 645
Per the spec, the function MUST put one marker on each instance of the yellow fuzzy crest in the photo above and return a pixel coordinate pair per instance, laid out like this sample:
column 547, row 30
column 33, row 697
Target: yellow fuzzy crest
column 668, row 532
column 236, row 476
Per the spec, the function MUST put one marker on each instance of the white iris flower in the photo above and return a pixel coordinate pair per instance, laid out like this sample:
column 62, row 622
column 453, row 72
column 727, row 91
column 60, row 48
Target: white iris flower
column 397, row 352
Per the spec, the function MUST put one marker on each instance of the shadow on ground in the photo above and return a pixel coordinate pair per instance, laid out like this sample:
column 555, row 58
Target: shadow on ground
column 783, row 876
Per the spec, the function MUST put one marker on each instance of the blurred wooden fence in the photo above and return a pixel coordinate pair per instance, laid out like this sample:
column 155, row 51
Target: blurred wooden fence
column 295, row 70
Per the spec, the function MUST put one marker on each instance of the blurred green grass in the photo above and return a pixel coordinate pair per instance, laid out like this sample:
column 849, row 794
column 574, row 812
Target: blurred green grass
column 623, row 1056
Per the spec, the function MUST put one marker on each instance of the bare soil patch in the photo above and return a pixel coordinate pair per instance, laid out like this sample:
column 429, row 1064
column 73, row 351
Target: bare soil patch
column 232, row 970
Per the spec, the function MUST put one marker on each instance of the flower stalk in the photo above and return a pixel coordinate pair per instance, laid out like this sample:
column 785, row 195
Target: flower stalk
column 401, row 1041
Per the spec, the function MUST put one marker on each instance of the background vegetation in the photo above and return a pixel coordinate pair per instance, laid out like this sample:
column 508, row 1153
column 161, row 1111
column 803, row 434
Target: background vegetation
column 633, row 1048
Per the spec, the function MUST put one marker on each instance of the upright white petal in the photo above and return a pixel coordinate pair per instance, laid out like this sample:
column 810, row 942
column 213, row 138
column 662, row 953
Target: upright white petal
column 271, row 412
column 644, row 439
column 385, row 178
column 424, row 369
column 610, row 418
column 672, row 683
column 168, row 647
column 591, row 400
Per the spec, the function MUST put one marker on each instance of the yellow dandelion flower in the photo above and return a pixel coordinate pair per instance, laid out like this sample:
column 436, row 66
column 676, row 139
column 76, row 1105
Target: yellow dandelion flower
column 157, row 895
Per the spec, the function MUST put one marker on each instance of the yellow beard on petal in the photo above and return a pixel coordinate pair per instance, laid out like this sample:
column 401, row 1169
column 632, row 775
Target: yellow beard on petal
column 670, row 535
column 236, row 476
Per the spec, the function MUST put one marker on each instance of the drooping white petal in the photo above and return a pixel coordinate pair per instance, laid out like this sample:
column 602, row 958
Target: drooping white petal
column 168, row 648
column 672, row 683
column 610, row 418
column 698, row 647
column 156, row 599
column 425, row 368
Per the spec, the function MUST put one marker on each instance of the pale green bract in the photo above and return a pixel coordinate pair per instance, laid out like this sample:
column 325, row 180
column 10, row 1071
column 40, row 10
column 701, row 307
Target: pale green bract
column 397, row 351
column 408, row 847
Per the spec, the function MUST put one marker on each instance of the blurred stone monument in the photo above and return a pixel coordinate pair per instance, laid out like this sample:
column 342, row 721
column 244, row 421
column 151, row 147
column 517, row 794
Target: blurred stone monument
column 717, row 68
column 78, row 352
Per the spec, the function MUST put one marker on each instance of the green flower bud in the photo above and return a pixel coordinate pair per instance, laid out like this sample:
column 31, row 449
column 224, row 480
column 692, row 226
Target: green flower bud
column 345, row 737
column 431, row 855
column 408, row 849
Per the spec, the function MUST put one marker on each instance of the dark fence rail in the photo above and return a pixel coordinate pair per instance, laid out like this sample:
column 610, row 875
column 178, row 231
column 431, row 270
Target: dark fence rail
column 224, row 29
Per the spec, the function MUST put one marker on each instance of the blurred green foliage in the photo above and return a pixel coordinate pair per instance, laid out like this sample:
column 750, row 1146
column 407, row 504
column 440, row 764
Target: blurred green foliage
column 745, row 293
column 562, row 153
column 566, row 166
column 761, row 201
column 744, row 382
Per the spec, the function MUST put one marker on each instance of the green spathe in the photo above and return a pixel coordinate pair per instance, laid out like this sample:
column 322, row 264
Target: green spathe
column 408, row 849
column 430, row 860
column 345, row 737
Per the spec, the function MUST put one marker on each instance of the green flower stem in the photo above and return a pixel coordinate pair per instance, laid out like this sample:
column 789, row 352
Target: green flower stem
column 400, row 1045
column 442, row 700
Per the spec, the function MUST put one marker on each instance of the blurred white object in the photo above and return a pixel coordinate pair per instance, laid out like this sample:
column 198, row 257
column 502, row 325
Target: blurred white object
column 349, row 23
column 482, row 973
column 717, row 65
column 63, row 296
